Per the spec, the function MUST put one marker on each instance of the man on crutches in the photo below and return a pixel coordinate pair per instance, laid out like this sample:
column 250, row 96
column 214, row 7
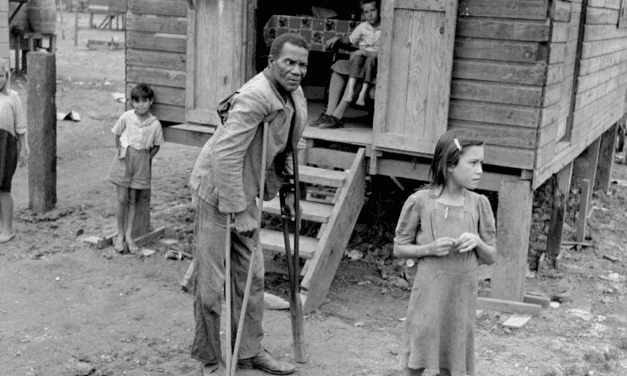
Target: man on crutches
column 226, row 182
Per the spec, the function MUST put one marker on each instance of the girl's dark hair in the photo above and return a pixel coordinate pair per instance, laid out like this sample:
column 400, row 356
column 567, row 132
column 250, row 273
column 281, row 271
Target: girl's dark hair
column 377, row 3
column 142, row 91
column 447, row 155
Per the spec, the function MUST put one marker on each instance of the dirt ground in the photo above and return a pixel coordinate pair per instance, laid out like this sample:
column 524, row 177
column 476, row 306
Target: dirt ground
column 69, row 309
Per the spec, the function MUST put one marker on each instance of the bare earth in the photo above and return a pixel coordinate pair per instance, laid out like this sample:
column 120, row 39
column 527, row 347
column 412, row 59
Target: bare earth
column 69, row 309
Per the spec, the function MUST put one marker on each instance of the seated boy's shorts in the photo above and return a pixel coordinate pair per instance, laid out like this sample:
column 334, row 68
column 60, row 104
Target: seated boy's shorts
column 8, row 160
column 132, row 171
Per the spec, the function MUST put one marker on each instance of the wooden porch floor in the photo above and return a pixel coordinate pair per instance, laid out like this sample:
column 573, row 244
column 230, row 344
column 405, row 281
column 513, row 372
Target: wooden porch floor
column 357, row 128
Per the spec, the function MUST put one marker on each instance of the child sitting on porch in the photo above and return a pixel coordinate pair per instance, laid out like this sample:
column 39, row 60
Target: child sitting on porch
column 362, row 65
column 138, row 135
column 449, row 230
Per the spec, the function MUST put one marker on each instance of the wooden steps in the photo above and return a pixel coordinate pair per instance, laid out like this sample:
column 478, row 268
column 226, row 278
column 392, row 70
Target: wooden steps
column 339, row 192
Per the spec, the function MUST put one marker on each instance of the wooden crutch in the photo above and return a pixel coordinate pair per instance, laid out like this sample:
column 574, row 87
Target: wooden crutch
column 293, row 266
column 230, row 370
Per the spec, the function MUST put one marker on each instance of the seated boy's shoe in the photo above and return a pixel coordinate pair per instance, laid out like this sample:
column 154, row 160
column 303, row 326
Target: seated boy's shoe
column 323, row 118
column 333, row 122
column 266, row 363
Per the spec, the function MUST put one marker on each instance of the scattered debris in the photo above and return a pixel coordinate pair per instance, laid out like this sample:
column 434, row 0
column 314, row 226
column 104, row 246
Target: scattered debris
column 555, row 304
column 120, row 97
column 354, row 255
column 168, row 241
column 80, row 368
column 72, row 115
column 147, row 252
column 610, row 257
column 562, row 297
column 3, row 311
column 359, row 324
column 177, row 255
column 99, row 44
column 516, row 321
column 80, row 232
column 274, row 302
column 612, row 277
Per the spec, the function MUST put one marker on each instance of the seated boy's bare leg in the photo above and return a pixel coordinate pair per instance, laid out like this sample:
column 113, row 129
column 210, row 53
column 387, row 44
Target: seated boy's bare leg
column 130, row 219
column 120, row 215
column 361, row 100
column 349, row 92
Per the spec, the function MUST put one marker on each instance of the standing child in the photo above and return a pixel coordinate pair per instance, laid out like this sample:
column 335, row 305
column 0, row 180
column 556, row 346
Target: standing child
column 138, row 136
column 449, row 230
column 13, row 147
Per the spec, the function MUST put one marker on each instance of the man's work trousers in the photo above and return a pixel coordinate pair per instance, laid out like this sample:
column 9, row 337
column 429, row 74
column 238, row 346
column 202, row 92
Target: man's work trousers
column 209, row 281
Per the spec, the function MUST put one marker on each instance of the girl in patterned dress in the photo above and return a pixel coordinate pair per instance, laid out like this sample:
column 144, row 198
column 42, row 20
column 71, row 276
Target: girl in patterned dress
column 448, row 230
column 13, row 147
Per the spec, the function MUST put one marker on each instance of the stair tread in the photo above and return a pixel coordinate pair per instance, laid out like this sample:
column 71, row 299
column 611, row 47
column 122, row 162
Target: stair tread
column 312, row 211
column 273, row 241
column 321, row 176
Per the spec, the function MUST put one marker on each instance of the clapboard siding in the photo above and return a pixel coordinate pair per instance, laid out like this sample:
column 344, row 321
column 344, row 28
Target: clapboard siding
column 601, row 88
column 156, row 53
column 513, row 9
column 4, row 30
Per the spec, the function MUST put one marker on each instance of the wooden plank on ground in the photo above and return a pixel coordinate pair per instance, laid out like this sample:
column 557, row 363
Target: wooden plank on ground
column 513, row 226
column 508, row 306
column 517, row 9
column 156, row 24
column 173, row 8
column 495, row 28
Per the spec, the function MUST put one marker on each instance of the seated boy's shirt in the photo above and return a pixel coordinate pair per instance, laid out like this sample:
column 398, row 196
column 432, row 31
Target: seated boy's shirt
column 136, row 134
column 367, row 36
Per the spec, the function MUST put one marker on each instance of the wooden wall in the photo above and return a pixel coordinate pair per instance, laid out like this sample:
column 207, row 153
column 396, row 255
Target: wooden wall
column 156, row 45
column 4, row 29
column 498, row 76
column 601, row 83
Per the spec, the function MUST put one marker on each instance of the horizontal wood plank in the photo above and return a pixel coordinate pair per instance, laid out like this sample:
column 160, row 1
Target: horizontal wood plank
column 521, row 30
column 510, row 157
column 508, row 306
column 497, row 134
column 173, row 8
column 329, row 158
column 155, row 76
column 156, row 42
column 489, row 49
column 156, row 59
column 312, row 211
column 598, row 63
column 272, row 241
column 521, row 116
column 156, row 24
column 517, row 73
column 165, row 112
column 560, row 10
column 518, row 9
column 321, row 176
column 603, row 32
column 163, row 94
column 601, row 16
column 496, row 92
column 188, row 134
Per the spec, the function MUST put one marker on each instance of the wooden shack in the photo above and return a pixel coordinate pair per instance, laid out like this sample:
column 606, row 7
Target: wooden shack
column 542, row 81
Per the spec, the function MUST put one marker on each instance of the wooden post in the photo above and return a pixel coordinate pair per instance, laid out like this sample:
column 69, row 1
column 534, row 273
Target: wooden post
column 513, row 226
column 606, row 160
column 585, row 165
column 560, row 197
column 42, row 131
column 76, row 24
column 582, row 220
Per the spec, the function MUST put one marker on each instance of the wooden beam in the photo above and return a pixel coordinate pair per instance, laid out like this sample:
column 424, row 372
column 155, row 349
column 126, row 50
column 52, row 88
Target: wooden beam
column 584, row 202
column 606, row 159
column 560, row 197
column 585, row 165
column 509, row 306
column 513, row 226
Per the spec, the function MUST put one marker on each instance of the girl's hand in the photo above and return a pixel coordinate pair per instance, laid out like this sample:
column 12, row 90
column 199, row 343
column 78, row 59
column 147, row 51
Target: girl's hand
column 23, row 158
column 467, row 242
column 442, row 246
column 330, row 43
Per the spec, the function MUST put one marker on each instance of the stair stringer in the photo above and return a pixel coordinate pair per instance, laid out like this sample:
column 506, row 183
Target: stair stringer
column 323, row 266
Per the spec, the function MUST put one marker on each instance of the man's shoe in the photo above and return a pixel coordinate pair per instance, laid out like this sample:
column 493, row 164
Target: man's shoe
column 332, row 122
column 266, row 363
column 323, row 118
